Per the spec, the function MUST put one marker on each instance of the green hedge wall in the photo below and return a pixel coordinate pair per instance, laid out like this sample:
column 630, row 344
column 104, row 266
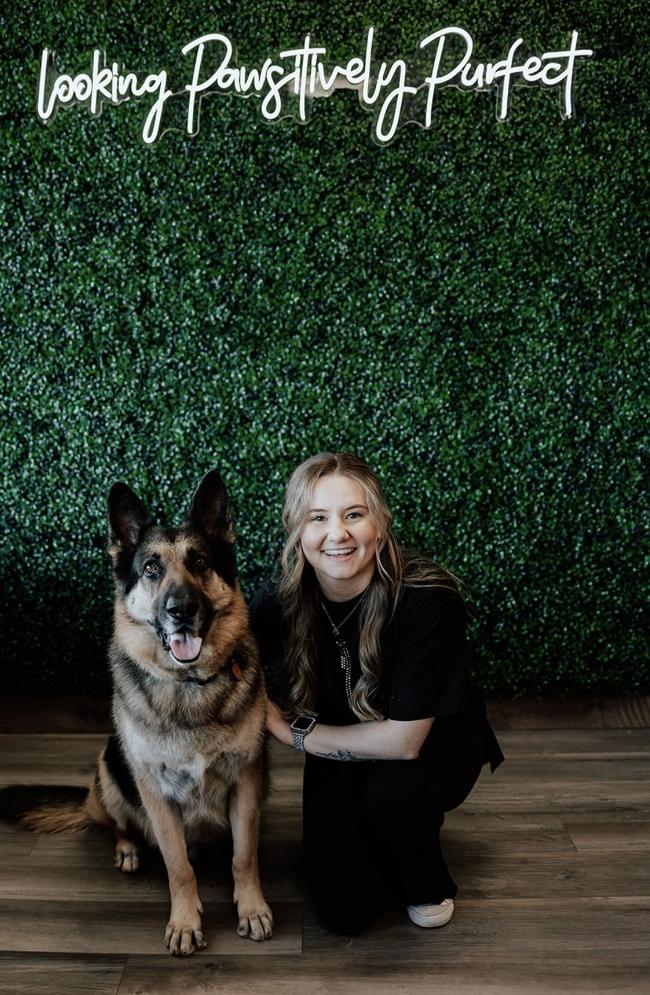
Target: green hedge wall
column 462, row 308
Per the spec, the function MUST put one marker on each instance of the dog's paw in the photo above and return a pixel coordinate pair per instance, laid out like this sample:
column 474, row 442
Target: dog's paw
column 184, row 934
column 255, row 923
column 127, row 856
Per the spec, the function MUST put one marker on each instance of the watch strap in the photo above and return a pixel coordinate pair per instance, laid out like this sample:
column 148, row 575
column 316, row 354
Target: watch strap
column 299, row 735
column 298, row 740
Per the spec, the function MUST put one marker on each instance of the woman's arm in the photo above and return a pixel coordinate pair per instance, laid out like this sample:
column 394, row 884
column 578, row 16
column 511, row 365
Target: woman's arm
column 385, row 739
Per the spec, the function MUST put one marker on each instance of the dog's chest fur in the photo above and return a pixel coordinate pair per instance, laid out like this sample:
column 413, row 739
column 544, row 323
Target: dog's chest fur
column 193, row 767
column 167, row 765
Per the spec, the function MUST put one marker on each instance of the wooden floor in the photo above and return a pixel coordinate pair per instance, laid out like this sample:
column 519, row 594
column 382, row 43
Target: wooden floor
column 551, row 855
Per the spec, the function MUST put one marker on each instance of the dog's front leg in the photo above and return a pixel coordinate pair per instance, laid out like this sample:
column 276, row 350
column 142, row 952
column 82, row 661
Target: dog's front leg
column 255, row 916
column 183, row 933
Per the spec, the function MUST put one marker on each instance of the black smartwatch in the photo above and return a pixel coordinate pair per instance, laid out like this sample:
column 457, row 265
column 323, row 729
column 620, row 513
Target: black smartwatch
column 301, row 727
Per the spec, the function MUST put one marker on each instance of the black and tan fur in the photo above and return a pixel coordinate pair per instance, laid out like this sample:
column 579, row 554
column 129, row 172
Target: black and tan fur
column 187, row 754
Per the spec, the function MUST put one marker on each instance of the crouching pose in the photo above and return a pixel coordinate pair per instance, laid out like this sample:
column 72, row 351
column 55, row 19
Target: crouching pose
column 368, row 645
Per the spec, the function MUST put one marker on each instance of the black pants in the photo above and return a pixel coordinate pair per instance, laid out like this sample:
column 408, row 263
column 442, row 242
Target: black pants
column 371, row 831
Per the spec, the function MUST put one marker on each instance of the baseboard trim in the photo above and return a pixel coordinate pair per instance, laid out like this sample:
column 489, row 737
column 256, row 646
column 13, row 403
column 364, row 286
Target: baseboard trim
column 87, row 714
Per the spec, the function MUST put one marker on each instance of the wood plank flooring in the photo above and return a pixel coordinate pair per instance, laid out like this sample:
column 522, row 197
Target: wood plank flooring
column 551, row 855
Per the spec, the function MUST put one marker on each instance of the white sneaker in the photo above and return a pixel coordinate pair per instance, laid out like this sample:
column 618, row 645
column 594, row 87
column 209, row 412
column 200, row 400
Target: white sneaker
column 430, row 916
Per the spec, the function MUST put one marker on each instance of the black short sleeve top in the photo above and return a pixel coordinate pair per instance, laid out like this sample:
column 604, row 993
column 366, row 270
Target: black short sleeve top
column 424, row 661
column 424, row 653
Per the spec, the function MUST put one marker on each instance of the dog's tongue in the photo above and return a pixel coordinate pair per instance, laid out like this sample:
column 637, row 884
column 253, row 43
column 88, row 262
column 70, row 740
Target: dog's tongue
column 185, row 647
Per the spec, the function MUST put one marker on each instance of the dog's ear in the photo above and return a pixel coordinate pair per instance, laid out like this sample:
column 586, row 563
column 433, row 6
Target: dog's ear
column 209, row 511
column 127, row 520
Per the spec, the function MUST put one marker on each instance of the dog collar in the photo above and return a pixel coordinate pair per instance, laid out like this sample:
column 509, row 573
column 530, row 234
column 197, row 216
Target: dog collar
column 199, row 680
column 233, row 666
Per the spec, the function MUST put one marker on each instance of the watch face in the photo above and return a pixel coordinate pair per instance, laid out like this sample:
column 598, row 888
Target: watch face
column 303, row 723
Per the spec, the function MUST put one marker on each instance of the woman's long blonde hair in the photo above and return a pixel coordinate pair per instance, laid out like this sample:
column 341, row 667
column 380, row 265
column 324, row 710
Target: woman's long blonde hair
column 299, row 593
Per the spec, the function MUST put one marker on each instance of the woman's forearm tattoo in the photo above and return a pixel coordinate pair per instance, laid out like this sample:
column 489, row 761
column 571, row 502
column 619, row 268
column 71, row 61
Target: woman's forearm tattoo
column 344, row 755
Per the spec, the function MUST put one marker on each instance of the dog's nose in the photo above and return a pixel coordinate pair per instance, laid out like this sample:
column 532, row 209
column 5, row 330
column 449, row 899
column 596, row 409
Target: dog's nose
column 181, row 609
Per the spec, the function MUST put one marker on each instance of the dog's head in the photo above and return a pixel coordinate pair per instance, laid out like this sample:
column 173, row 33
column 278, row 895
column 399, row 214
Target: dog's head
column 173, row 582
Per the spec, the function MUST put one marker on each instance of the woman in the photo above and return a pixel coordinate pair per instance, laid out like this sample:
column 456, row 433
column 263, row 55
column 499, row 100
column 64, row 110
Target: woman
column 370, row 643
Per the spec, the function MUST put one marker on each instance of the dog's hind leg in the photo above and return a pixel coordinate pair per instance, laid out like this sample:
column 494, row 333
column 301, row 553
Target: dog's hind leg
column 127, row 853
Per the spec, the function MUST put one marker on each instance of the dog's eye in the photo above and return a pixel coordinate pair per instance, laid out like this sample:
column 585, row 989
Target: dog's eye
column 150, row 569
column 201, row 563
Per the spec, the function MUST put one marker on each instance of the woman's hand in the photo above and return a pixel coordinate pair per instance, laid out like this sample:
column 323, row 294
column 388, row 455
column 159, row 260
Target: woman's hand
column 277, row 725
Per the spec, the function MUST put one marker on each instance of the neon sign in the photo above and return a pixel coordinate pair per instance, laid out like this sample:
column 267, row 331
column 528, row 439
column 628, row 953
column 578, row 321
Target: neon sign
column 398, row 93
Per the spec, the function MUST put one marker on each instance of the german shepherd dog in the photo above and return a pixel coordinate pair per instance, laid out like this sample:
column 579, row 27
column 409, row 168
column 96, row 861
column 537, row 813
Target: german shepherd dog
column 189, row 708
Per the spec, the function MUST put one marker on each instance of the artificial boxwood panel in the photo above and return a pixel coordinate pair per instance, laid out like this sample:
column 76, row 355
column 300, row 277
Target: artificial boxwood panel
column 462, row 308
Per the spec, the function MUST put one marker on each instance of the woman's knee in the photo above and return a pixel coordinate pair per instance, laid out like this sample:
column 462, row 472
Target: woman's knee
column 347, row 900
column 397, row 784
column 348, row 920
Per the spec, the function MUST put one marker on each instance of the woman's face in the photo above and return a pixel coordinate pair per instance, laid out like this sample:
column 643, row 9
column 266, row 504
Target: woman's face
column 340, row 537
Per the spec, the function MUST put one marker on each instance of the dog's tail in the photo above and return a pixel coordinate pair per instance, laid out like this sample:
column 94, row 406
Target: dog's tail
column 45, row 808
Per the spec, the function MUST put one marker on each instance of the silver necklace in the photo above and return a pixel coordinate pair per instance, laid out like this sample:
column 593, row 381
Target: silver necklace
column 342, row 646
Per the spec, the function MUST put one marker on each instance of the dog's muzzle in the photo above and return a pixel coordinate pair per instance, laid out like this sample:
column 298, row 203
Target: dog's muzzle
column 185, row 647
column 181, row 623
column 183, row 643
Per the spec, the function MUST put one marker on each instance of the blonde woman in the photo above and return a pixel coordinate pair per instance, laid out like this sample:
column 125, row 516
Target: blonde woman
column 369, row 646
